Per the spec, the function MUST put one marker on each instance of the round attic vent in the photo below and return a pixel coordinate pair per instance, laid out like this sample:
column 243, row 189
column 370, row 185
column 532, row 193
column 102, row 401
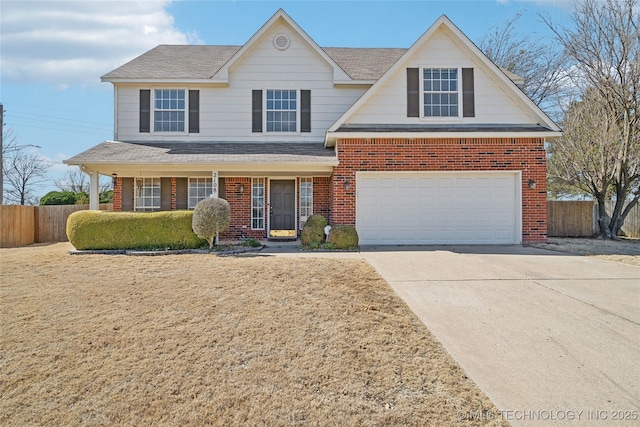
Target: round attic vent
column 281, row 41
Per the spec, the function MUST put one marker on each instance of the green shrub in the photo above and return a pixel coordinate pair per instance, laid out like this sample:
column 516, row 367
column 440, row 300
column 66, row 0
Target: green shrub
column 312, row 235
column 252, row 243
column 88, row 230
column 343, row 237
column 210, row 216
column 82, row 198
column 58, row 198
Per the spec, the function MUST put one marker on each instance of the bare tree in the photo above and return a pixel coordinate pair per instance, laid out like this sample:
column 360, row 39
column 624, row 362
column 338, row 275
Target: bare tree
column 23, row 170
column 541, row 64
column 603, row 45
column 78, row 182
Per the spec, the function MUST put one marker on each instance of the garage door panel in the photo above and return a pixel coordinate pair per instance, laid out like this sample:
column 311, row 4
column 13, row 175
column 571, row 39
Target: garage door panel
column 437, row 208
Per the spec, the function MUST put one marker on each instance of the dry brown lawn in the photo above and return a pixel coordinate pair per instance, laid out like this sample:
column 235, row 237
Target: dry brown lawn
column 198, row 340
column 625, row 250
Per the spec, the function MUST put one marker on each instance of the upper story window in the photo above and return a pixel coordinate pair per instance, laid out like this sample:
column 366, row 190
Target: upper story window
column 282, row 111
column 440, row 86
column 440, row 92
column 169, row 110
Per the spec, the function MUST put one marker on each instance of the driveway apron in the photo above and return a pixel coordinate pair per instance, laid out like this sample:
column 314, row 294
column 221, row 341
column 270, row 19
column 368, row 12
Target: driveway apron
column 551, row 338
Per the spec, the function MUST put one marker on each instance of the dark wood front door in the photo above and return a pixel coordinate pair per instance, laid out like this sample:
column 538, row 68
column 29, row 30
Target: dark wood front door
column 283, row 208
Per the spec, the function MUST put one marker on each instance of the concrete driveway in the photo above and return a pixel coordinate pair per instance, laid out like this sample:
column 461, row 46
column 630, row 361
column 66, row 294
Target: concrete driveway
column 552, row 339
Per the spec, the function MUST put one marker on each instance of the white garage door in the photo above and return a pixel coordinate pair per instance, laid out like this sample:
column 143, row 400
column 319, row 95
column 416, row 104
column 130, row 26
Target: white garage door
column 438, row 208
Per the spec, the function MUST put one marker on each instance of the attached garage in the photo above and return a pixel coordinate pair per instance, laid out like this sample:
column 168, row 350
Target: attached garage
column 410, row 208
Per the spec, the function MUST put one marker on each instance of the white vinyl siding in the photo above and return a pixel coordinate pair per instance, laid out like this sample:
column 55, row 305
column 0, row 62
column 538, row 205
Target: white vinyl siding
column 147, row 192
column 257, row 203
column 199, row 188
column 492, row 103
column 226, row 111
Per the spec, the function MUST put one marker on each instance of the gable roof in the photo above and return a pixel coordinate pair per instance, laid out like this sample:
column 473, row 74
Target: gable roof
column 199, row 62
column 504, row 80
column 222, row 75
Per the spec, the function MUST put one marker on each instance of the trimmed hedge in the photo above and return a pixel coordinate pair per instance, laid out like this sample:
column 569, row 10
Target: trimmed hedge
column 92, row 230
column 312, row 234
column 343, row 237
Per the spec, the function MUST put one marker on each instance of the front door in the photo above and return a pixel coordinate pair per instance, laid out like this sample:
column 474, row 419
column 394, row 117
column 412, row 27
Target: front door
column 283, row 208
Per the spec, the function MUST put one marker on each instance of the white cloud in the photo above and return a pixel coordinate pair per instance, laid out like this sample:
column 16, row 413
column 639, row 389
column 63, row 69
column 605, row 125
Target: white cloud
column 66, row 43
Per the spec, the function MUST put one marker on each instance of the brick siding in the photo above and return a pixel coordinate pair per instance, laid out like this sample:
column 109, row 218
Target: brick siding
column 117, row 195
column 444, row 154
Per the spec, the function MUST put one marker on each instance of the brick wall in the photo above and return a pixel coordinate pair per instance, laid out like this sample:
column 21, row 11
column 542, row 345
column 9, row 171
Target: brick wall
column 322, row 196
column 240, row 204
column 444, row 154
column 117, row 195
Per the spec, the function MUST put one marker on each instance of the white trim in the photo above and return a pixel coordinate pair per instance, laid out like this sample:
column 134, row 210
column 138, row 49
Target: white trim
column 152, row 208
column 265, row 111
column 94, row 190
column 264, row 204
column 332, row 137
column 189, row 206
column 153, row 131
column 440, row 119
column 299, row 189
column 295, row 195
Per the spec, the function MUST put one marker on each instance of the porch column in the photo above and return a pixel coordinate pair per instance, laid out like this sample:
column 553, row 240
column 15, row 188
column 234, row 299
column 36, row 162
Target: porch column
column 94, row 194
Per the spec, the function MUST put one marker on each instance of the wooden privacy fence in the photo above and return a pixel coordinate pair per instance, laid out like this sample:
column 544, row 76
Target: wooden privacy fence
column 24, row 225
column 580, row 219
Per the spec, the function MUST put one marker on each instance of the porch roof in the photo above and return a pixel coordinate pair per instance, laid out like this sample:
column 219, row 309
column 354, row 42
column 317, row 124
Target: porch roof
column 205, row 153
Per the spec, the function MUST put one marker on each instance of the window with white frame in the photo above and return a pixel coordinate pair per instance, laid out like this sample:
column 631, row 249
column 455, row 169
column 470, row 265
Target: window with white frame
column 440, row 87
column 199, row 188
column 169, row 110
column 257, row 204
column 282, row 110
column 306, row 199
column 147, row 194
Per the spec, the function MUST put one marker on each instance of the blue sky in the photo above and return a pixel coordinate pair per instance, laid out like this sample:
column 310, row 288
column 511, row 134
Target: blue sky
column 52, row 53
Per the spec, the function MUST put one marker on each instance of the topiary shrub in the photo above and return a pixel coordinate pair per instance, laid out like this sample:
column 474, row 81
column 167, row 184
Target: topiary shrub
column 343, row 237
column 211, row 216
column 89, row 230
column 312, row 235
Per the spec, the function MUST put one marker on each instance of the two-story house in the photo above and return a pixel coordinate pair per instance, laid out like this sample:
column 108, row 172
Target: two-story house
column 431, row 144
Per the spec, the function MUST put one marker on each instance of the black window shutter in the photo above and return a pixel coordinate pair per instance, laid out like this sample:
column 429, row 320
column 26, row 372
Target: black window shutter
column 305, row 111
column 413, row 92
column 256, row 111
column 145, row 110
column 468, row 96
column 194, row 111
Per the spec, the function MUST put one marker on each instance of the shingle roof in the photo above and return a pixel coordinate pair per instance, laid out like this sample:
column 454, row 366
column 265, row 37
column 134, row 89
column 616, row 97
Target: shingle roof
column 110, row 152
column 202, row 62
column 175, row 62
column 364, row 63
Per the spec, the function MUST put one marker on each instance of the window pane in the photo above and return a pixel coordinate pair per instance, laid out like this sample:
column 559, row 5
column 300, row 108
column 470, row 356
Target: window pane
column 440, row 87
column 169, row 114
column 281, row 110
